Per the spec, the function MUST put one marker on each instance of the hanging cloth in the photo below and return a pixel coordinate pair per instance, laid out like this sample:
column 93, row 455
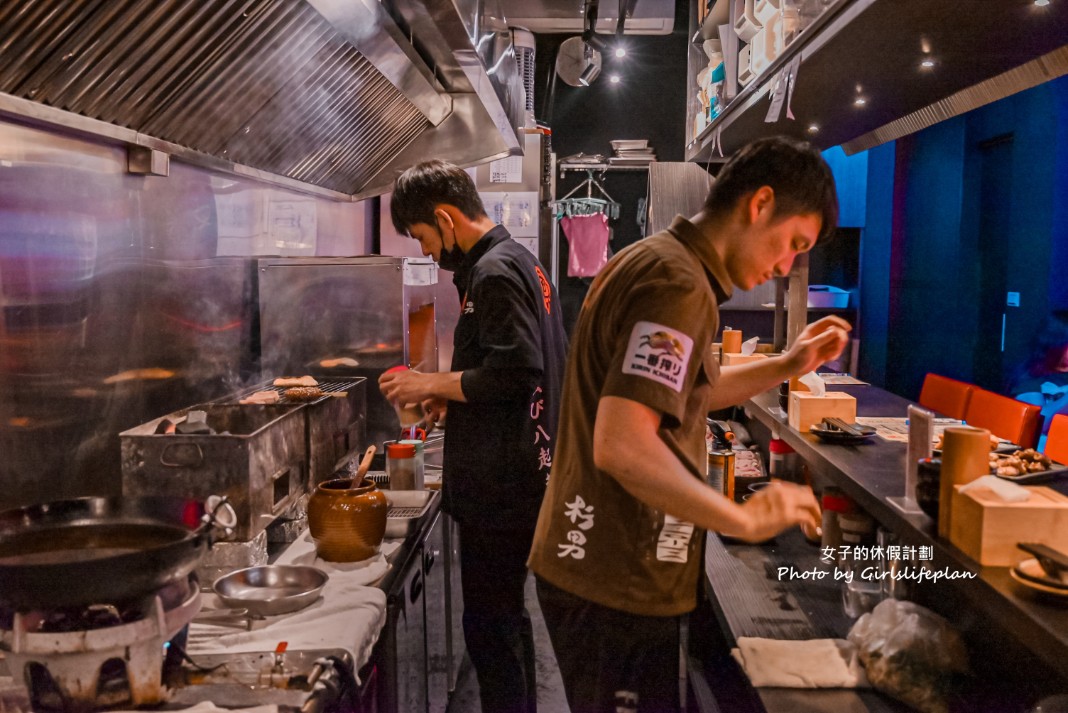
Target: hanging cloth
column 587, row 237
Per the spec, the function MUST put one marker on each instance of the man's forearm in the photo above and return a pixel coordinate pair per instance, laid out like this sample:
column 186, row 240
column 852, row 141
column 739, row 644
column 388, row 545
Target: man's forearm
column 627, row 448
column 736, row 384
column 447, row 385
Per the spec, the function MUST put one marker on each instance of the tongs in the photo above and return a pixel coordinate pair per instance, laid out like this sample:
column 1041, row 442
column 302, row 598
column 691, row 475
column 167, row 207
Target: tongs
column 851, row 428
column 1052, row 562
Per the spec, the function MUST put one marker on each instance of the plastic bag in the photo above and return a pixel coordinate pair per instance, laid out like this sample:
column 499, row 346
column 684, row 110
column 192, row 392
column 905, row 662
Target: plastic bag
column 911, row 654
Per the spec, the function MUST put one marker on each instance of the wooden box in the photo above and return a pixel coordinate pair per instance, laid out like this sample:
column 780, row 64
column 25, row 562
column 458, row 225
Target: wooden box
column 806, row 408
column 987, row 529
column 735, row 359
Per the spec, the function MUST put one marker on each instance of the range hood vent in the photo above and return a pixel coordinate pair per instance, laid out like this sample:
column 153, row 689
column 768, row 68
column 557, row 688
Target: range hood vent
column 272, row 85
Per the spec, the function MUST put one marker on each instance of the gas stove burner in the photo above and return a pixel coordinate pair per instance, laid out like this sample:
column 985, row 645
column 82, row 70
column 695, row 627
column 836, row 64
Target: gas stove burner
column 102, row 615
column 101, row 656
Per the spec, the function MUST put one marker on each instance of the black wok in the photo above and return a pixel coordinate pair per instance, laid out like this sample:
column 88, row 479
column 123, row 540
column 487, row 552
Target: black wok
column 73, row 553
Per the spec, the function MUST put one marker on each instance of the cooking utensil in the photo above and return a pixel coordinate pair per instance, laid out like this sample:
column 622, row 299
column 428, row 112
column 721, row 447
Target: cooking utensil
column 74, row 553
column 838, row 436
column 269, row 590
column 365, row 465
column 850, row 428
column 1053, row 562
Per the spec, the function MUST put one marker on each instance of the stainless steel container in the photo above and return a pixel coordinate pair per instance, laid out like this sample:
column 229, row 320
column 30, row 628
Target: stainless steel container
column 256, row 457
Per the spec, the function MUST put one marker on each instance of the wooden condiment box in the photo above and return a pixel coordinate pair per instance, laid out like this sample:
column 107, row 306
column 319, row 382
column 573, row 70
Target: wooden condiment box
column 805, row 408
column 987, row 529
column 735, row 359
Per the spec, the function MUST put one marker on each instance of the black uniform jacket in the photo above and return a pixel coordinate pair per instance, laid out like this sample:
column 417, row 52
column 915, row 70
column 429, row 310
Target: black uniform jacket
column 510, row 345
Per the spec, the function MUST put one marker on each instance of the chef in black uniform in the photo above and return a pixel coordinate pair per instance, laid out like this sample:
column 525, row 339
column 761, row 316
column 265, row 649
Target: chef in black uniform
column 502, row 398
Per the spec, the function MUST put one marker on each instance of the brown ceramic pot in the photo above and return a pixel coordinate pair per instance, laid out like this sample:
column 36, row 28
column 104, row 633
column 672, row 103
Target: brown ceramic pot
column 347, row 524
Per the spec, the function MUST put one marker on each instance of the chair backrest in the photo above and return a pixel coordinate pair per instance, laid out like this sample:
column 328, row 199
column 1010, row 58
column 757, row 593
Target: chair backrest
column 945, row 395
column 1057, row 438
column 1005, row 417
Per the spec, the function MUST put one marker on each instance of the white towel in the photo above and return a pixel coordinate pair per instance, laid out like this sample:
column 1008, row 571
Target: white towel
column 817, row 663
column 349, row 615
column 209, row 707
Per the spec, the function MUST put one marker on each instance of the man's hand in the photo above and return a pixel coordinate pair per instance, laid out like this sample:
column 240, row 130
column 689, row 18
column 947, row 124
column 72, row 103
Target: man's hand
column 415, row 387
column 820, row 342
column 777, row 507
column 407, row 387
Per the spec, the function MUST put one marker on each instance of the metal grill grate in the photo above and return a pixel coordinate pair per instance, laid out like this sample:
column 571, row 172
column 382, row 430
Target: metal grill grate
column 327, row 387
column 403, row 512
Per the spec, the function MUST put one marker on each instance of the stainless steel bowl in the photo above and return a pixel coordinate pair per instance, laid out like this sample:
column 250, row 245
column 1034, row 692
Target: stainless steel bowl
column 271, row 589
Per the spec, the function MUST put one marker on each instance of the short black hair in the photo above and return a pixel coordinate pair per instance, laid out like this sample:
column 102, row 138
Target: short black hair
column 795, row 170
column 431, row 183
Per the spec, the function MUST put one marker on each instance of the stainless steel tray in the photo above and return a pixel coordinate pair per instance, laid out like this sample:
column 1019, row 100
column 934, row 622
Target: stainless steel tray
column 406, row 509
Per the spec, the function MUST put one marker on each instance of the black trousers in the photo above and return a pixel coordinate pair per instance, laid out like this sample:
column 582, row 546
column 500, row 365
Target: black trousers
column 612, row 661
column 497, row 630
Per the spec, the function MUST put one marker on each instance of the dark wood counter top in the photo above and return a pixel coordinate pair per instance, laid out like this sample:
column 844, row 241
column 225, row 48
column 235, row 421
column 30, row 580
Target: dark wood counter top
column 872, row 472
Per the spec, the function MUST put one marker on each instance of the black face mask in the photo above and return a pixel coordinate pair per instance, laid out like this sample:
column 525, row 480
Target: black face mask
column 451, row 260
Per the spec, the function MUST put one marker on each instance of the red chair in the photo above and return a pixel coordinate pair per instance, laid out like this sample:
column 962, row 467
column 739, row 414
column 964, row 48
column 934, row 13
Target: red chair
column 1005, row 417
column 1057, row 438
column 945, row 395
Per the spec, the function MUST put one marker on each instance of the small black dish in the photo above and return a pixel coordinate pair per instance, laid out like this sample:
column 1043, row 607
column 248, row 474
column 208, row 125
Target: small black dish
column 839, row 437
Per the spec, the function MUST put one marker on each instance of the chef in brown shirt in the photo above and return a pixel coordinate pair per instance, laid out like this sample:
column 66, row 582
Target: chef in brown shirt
column 617, row 544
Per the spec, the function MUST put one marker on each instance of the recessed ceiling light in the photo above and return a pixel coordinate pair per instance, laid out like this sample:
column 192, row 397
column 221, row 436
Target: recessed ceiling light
column 813, row 129
column 614, row 79
column 1041, row 3
column 860, row 101
column 927, row 63
column 621, row 52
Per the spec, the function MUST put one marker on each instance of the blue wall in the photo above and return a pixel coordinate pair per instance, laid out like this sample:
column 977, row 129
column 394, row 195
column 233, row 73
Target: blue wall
column 976, row 209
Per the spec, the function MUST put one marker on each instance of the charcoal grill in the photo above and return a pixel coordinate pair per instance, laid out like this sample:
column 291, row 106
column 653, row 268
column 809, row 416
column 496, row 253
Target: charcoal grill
column 335, row 426
column 256, row 457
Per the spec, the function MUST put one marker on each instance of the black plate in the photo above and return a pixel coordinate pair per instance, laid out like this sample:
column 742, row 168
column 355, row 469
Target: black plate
column 842, row 438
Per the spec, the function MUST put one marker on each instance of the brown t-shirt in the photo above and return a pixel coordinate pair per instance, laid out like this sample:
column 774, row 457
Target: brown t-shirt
column 645, row 334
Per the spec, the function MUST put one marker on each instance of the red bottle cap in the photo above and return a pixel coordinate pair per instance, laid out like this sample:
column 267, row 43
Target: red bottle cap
column 400, row 450
column 837, row 503
column 777, row 445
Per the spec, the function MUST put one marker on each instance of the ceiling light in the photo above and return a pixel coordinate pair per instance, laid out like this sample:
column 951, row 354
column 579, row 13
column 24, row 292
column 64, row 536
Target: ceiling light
column 1041, row 3
column 589, row 74
column 860, row 101
column 621, row 52
column 813, row 129
column 614, row 79
column 927, row 63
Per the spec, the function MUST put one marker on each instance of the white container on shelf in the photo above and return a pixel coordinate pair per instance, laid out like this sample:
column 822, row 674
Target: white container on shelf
column 745, row 70
column 746, row 24
column 758, row 55
column 767, row 44
column 764, row 9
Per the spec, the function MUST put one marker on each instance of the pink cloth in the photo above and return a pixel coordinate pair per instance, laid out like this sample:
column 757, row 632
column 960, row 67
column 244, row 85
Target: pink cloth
column 587, row 236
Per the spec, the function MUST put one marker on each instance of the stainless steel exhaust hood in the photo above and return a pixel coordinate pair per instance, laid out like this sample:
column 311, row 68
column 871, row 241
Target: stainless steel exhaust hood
column 331, row 97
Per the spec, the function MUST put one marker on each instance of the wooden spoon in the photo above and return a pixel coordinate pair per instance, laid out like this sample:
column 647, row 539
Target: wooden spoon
column 365, row 465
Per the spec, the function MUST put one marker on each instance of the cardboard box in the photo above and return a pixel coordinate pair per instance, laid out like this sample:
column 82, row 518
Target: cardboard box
column 735, row 359
column 806, row 408
column 987, row 529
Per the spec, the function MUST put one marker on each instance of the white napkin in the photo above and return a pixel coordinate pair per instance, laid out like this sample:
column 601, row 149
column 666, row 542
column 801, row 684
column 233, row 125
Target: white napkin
column 749, row 345
column 349, row 615
column 816, row 663
column 1009, row 492
column 209, row 707
column 814, row 383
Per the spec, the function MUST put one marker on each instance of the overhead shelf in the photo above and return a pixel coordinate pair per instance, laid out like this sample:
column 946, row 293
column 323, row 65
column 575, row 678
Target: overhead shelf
column 873, row 50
